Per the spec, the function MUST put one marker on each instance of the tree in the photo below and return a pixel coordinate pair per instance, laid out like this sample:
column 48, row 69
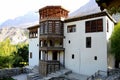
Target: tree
column 21, row 56
column 13, row 55
column 6, row 56
column 112, row 6
column 115, row 44
column 6, row 48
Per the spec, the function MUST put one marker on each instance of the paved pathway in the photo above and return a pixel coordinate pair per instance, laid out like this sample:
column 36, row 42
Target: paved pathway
column 75, row 76
column 20, row 77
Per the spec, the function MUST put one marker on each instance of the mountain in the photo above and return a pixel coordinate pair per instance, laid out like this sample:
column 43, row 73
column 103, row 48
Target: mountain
column 90, row 8
column 32, row 18
column 28, row 19
column 15, row 34
column 15, row 29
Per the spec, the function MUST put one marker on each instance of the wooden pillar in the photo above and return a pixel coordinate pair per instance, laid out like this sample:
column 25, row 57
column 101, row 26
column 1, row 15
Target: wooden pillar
column 59, row 55
column 39, row 54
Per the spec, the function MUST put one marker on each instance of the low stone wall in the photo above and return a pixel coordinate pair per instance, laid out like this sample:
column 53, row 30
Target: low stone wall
column 4, row 73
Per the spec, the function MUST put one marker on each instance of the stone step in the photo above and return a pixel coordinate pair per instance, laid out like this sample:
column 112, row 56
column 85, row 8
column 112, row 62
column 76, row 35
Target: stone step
column 59, row 73
column 34, row 76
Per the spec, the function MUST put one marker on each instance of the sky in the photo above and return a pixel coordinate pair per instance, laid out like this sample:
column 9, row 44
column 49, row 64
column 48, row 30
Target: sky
column 10, row 9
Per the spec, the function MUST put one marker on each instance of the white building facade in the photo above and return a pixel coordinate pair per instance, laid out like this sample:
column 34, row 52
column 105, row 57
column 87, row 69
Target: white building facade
column 84, row 43
column 34, row 45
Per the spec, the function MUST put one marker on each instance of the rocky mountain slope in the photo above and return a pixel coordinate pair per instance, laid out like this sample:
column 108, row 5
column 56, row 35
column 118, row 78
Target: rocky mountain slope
column 16, row 35
column 15, row 29
column 90, row 8
column 26, row 20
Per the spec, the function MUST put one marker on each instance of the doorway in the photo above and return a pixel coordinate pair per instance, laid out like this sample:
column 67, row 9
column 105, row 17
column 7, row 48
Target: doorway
column 54, row 55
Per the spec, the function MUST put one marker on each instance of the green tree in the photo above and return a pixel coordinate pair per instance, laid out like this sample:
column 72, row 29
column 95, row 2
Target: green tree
column 115, row 44
column 6, row 54
column 21, row 56
column 13, row 55
column 112, row 6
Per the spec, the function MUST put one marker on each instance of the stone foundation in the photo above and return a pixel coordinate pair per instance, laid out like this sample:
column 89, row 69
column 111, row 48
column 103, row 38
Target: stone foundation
column 4, row 73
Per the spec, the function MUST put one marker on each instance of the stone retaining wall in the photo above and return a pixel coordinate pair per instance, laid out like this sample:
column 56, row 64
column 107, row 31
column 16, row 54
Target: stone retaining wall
column 4, row 73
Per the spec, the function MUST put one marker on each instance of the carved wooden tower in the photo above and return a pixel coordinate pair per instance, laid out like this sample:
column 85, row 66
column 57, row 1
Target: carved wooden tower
column 52, row 34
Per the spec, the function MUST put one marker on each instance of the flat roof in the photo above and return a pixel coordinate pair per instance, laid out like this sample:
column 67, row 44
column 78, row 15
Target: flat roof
column 99, row 14
column 53, row 6
column 34, row 26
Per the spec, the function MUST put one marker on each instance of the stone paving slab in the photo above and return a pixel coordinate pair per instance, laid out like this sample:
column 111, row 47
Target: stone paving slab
column 71, row 76
column 20, row 77
column 75, row 76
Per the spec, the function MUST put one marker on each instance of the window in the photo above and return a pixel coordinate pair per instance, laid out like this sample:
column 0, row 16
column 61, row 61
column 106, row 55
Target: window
column 46, row 27
column 41, row 28
column 69, row 41
column 33, row 33
column 71, row 28
column 99, row 25
column 95, row 58
column 50, row 26
column 94, row 26
column 107, row 26
column 30, row 54
column 72, row 56
column 88, row 42
column 57, row 27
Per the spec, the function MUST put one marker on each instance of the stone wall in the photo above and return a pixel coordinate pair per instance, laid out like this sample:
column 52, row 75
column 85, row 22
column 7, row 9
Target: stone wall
column 4, row 73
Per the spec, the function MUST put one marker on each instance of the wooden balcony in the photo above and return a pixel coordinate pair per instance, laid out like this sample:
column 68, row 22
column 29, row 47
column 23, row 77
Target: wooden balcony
column 52, row 11
column 47, row 67
column 48, row 36
column 52, row 48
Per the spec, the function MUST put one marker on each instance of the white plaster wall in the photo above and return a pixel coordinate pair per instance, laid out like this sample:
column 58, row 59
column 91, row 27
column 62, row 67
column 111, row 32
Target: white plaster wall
column 61, row 57
column 84, row 62
column 49, row 55
column 111, row 28
column 34, row 48
column 111, row 59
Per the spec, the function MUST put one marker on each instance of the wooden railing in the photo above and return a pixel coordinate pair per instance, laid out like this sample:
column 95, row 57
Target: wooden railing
column 52, row 48
column 47, row 67
column 51, row 36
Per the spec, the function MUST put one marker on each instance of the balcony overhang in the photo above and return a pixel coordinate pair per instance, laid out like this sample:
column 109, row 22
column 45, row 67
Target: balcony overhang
column 50, row 36
column 52, row 48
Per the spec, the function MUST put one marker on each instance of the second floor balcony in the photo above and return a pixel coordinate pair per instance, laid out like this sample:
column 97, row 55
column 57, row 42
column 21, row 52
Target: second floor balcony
column 52, row 48
column 45, row 36
column 51, row 44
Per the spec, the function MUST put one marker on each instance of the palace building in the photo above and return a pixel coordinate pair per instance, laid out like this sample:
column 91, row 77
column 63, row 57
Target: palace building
column 77, row 43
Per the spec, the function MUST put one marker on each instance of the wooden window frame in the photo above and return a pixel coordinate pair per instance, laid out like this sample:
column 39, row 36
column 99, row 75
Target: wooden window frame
column 88, row 42
column 30, row 54
column 107, row 26
column 73, row 56
column 94, row 26
column 71, row 28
